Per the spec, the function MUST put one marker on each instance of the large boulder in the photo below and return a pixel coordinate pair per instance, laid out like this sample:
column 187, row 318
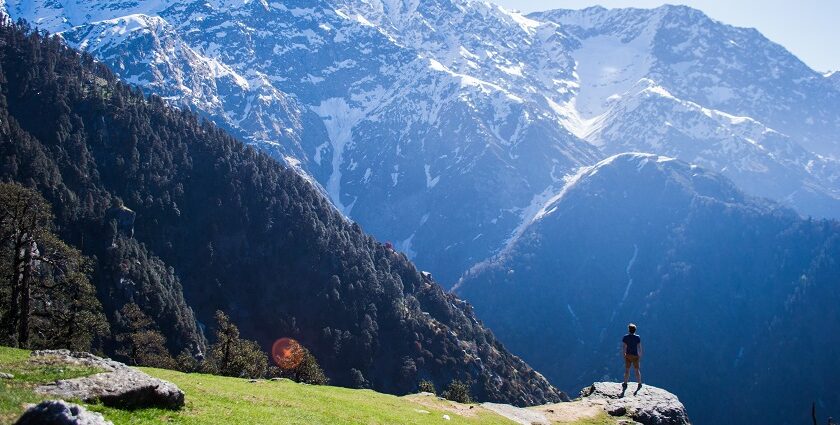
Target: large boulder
column 118, row 386
column 60, row 412
column 647, row 405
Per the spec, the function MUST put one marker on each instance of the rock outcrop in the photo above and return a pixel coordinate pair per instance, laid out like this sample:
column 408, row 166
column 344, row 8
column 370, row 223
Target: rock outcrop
column 124, row 218
column 59, row 412
column 119, row 386
column 631, row 406
column 646, row 405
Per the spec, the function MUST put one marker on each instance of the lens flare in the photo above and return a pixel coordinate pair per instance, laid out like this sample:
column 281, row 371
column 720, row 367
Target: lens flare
column 287, row 353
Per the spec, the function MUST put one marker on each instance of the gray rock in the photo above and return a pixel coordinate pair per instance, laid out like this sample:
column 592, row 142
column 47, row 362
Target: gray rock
column 59, row 412
column 647, row 405
column 4, row 375
column 119, row 386
column 617, row 410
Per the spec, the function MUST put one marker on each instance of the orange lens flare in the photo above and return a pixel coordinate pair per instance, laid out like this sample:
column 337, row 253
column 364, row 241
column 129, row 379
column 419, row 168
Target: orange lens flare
column 287, row 353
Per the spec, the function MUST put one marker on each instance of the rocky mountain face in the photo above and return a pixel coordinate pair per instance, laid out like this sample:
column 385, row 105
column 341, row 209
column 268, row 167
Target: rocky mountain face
column 183, row 220
column 722, row 285
column 441, row 125
column 674, row 82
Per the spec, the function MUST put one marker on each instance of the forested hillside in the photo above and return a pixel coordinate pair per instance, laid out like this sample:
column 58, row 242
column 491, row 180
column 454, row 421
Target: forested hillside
column 178, row 217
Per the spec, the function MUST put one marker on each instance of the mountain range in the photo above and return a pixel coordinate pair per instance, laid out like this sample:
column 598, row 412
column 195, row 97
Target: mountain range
column 487, row 146
column 182, row 220
column 441, row 125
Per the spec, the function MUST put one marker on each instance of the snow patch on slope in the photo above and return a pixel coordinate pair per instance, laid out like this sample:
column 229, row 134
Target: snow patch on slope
column 339, row 119
column 606, row 67
column 430, row 181
column 629, row 282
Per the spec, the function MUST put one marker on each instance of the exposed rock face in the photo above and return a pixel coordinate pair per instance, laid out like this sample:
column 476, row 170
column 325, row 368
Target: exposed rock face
column 120, row 386
column 4, row 375
column 647, row 405
column 124, row 217
column 59, row 412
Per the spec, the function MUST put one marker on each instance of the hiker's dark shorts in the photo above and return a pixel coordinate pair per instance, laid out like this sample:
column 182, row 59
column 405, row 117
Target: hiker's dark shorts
column 630, row 359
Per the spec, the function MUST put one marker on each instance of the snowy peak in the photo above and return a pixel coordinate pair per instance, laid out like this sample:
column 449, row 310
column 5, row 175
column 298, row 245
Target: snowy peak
column 475, row 38
column 673, row 81
column 61, row 15
column 760, row 160
column 730, row 69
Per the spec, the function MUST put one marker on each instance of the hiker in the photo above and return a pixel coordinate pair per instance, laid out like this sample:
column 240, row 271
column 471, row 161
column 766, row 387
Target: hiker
column 632, row 350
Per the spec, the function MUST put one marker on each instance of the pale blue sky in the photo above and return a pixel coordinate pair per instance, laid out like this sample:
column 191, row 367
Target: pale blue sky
column 808, row 28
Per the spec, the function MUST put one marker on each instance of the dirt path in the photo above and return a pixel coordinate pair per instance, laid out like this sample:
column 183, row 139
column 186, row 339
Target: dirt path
column 518, row 414
column 571, row 412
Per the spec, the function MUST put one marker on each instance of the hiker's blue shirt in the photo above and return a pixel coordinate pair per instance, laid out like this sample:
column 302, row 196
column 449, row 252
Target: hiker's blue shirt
column 632, row 342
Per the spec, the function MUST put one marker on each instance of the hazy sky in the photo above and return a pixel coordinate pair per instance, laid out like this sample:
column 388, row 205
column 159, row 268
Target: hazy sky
column 808, row 28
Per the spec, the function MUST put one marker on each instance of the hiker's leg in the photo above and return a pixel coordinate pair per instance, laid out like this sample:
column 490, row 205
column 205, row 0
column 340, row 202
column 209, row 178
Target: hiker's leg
column 626, row 372
column 638, row 374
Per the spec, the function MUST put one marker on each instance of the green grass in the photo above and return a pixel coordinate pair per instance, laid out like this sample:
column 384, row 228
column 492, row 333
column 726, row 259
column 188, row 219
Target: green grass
column 16, row 393
column 216, row 400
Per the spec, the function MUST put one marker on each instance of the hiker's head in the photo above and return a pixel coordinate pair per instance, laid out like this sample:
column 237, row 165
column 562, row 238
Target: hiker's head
column 632, row 328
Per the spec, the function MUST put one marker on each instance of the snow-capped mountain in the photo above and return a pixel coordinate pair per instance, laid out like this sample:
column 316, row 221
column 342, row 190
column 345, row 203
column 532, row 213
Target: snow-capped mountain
column 735, row 70
column 442, row 125
column 762, row 161
column 672, row 81
column 407, row 144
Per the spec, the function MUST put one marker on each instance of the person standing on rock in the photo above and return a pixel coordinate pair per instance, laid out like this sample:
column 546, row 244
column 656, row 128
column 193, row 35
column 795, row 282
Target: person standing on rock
column 632, row 350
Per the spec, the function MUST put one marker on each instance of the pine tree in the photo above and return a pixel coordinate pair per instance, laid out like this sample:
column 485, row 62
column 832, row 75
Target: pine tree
column 68, row 314
column 140, row 343
column 25, row 218
column 233, row 356
column 186, row 362
column 426, row 387
column 45, row 281
column 458, row 391
column 307, row 371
